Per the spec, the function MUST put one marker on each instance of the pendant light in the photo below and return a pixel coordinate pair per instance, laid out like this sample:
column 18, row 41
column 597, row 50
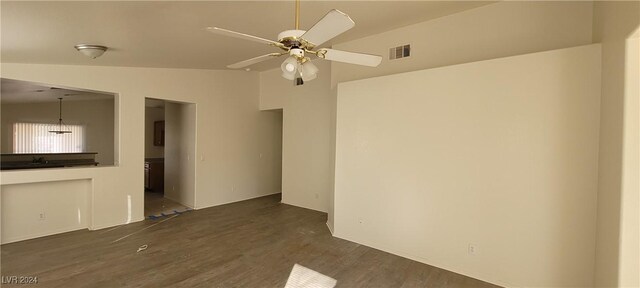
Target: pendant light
column 61, row 126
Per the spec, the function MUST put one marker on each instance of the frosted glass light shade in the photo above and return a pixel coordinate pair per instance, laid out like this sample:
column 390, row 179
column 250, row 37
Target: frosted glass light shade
column 309, row 71
column 93, row 51
column 289, row 68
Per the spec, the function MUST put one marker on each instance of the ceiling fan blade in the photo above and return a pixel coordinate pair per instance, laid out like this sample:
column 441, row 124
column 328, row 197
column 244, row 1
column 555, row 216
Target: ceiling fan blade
column 255, row 60
column 350, row 57
column 331, row 25
column 222, row 31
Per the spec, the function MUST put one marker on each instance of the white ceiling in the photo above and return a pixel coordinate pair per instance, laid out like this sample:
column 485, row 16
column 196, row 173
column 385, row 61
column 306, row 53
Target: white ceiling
column 171, row 34
column 16, row 91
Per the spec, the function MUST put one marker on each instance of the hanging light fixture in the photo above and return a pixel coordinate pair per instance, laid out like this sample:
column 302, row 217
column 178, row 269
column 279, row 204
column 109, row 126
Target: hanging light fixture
column 297, row 43
column 61, row 126
column 299, row 68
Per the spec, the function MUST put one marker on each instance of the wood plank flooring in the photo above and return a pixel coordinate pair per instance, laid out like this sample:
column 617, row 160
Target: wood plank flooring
column 253, row 243
column 155, row 204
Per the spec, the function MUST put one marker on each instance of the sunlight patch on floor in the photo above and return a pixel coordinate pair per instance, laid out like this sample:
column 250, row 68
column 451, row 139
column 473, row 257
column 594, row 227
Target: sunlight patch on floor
column 303, row 277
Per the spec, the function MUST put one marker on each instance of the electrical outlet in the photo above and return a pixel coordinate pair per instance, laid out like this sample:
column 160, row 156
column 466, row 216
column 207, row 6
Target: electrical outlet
column 473, row 249
column 42, row 216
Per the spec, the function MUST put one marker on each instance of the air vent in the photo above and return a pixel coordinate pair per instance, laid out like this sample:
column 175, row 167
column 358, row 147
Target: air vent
column 400, row 52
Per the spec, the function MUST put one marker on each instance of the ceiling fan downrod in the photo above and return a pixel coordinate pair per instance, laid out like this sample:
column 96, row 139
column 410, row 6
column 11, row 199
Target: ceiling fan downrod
column 297, row 15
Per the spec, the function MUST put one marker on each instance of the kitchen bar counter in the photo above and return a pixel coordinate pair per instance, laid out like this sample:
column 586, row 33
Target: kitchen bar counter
column 46, row 160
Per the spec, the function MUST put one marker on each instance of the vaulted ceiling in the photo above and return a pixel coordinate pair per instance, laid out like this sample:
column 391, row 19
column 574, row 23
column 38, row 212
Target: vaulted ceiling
column 171, row 34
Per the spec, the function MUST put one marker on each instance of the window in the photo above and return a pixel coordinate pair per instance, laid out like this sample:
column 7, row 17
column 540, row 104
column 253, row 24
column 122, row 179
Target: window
column 36, row 138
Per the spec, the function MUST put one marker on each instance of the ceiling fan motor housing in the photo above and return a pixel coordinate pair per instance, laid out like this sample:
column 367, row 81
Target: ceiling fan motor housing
column 291, row 38
column 297, row 52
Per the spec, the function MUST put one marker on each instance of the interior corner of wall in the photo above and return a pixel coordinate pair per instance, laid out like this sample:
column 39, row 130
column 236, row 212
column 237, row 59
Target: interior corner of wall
column 330, row 226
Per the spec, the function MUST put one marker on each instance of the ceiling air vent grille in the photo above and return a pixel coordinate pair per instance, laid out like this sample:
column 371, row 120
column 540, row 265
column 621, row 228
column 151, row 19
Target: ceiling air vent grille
column 400, row 52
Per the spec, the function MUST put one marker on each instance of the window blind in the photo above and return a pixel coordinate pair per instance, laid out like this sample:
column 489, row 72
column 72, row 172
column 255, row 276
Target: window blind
column 36, row 138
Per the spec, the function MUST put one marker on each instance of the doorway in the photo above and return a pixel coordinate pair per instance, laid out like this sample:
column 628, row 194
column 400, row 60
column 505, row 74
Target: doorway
column 169, row 168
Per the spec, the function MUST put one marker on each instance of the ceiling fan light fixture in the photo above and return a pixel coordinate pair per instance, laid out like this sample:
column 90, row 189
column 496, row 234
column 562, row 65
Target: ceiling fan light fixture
column 309, row 71
column 289, row 68
column 298, row 43
column 288, row 76
column 92, row 51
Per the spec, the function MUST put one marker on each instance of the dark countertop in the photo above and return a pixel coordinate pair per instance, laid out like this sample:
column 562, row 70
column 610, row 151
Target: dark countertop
column 153, row 160
column 45, row 154
column 50, row 164
column 46, row 160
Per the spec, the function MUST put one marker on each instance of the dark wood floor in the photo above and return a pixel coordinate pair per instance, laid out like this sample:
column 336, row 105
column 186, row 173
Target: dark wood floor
column 155, row 204
column 253, row 243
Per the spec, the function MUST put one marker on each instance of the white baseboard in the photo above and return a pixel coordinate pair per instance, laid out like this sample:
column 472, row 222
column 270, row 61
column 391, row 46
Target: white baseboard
column 39, row 235
column 103, row 226
column 177, row 201
column 330, row 228
column 410, row 256
column 240, row 200
column 302, row 206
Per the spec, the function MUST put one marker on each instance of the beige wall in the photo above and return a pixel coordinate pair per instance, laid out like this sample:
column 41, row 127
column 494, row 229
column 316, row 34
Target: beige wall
column 630, row 212
column 497, row 30
column 502, row 29
column 617, row 255
column 180, row 129
column 307, row 164
column 501, row 154
column 229, row 165
column 96, row 115
column 151, row 115
column 64, row 205
column 230, row 136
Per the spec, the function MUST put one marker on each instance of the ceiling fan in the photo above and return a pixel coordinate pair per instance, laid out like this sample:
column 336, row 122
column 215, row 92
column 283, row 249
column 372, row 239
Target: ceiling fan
column 300, row 44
